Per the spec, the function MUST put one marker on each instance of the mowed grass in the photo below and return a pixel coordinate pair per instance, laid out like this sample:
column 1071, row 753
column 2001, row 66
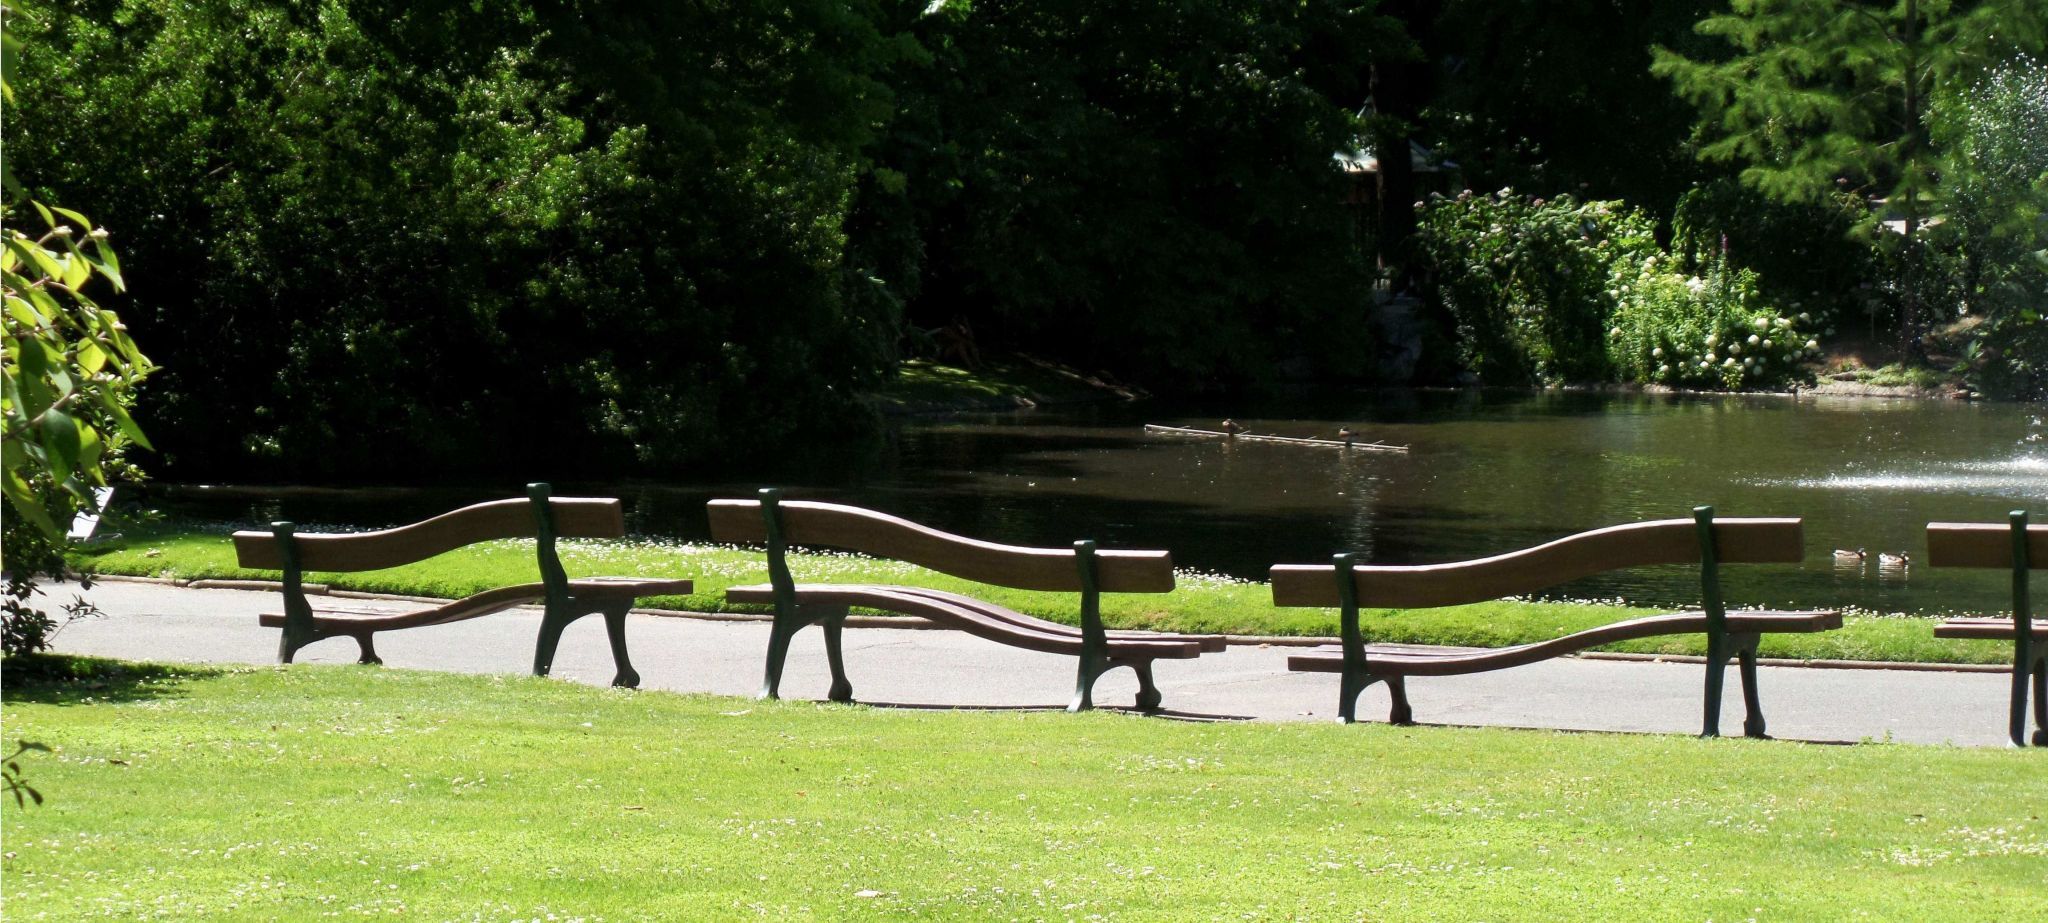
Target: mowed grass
column 302, row 792
column 1200, row 603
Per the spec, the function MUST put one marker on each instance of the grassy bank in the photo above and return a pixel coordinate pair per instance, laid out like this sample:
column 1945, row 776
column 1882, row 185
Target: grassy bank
column 1202, row 603
column 293, row 793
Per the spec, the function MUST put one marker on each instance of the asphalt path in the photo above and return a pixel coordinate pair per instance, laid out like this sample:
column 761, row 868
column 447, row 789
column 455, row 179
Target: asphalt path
column 951, row 669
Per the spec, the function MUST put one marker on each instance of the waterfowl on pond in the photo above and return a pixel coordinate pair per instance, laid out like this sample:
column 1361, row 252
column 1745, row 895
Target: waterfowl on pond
column 1844, row 554
column 1894, row 560
column 1231, row 427
column 1345, row 433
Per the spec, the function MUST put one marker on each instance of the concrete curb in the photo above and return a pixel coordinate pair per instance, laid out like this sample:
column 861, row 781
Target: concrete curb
column 912, row 622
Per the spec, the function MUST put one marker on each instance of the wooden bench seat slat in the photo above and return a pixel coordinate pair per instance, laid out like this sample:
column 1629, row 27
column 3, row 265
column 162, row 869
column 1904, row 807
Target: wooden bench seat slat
column 345, row 619
column 1455, row 662
column 833, row 525
column 764, row 594
column 1671, row 541
column 1982, row 544
column 576, row 517
column 970, row 619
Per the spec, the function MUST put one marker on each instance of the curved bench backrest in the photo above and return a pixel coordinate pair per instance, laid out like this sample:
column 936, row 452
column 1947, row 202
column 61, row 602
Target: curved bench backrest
column 1982, row 544
column 1669, row 541
column 832, row 525
column 574, row 517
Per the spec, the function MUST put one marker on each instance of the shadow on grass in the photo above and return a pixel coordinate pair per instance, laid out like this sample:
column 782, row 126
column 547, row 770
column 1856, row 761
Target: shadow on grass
column 64, row 679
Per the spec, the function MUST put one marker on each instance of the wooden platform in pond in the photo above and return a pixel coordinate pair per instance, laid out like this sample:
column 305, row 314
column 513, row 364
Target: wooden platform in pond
column 1361, row 446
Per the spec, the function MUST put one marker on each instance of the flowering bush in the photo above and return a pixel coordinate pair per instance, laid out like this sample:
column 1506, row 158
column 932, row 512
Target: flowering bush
column 1701, row 331
column 1526, row 279
column 1558, row 290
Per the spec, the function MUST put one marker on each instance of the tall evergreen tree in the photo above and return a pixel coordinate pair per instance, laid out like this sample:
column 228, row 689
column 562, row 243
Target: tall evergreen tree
column 1818, row 97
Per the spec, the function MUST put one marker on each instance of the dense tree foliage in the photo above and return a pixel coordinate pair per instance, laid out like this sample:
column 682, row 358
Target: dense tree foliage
column 1998, row 182
column 394, row 240
column 424, row 237
column 1142, row 186
column 1812, row 99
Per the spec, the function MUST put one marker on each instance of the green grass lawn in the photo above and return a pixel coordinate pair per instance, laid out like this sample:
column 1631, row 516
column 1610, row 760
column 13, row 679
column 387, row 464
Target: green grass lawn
column 300, row 792
column 1202, row 603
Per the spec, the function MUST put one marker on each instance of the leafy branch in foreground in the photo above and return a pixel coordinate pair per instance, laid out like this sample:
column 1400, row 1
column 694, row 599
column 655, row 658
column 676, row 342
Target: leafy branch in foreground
column 16, row 785
column 70, row 374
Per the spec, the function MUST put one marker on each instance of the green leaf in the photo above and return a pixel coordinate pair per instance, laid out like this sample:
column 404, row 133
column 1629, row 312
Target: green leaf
column 23, row 312
column 33, row 380
column 90, row 449
column 76, row 269
column 61, row 440
column 84, row 224
column 91, row 358
column 108, row 264
column 123, row 420
column 26, row 503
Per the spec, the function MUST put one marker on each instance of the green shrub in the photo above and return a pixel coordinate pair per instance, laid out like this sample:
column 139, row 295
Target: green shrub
column 1559, row 290
column 1526, row 280
column 1807, row 256
column 1701, row 331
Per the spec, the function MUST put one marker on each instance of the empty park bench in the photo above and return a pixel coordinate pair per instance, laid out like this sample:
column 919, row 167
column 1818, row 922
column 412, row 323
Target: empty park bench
column 1707, row 541
column 1081, row 569
column 2020, row 547
column 538, row 516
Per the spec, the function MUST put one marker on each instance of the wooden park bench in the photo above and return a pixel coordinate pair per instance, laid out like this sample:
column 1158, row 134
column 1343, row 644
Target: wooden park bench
column 1706, row 541
column 1081, row 569
column 2022, row 548
column 538, row 517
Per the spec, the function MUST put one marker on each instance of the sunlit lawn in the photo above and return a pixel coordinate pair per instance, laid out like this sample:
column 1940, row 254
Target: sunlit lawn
column 293, row 793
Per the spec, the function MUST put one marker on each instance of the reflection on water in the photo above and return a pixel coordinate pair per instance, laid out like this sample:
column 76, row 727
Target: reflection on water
column 1487, row 472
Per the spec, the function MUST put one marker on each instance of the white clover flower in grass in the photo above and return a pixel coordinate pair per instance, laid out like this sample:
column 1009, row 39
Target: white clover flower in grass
column 1813, row 345
column 1804, row 317
column 1728, row 362
column 1754, row 339
column 1784, row 322
column 1663, row 370
column 1762, row 324
column 1657, row 352
column 1713, row 339
column 1735, row 349
column 1615, row 333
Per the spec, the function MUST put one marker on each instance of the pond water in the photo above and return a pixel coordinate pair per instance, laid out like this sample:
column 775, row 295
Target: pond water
column 1487, row 472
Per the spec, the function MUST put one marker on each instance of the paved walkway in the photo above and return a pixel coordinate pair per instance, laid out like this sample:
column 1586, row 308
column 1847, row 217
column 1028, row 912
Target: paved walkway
column 952, row 669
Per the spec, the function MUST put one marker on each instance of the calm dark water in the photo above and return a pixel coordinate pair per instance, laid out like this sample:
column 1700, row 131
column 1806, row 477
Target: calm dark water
column 1486, row 473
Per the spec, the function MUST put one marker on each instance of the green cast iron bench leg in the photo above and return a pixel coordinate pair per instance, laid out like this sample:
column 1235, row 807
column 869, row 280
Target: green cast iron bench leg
column 833, row 620
column 615, row 631
column 558, row 618
column 835, row 625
